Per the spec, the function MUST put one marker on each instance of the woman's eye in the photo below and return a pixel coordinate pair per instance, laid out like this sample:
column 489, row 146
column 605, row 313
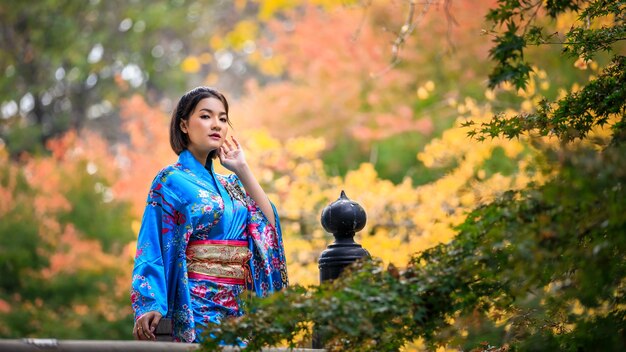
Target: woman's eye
column 223, row 119
column 204, row 116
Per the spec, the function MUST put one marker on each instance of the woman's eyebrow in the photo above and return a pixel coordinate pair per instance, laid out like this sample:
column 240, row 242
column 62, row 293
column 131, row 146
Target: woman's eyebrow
column 211, row 111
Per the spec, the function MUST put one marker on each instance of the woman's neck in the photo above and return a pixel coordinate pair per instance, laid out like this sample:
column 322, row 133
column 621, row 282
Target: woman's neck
column 201, row 156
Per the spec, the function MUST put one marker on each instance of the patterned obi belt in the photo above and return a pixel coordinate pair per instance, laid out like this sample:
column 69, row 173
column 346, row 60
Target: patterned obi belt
column 221, row 261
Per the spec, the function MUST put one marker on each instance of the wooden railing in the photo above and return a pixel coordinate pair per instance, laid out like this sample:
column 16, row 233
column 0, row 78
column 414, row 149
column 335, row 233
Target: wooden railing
column 42, row 345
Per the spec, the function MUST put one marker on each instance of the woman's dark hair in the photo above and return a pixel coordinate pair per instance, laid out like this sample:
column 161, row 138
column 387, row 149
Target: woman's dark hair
column 186, row 105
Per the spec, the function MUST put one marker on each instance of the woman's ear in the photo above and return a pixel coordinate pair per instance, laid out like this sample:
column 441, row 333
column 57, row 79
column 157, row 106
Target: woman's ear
column 183, row 126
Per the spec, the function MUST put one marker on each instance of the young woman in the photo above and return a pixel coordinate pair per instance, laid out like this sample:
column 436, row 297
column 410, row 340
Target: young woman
column 205, row 238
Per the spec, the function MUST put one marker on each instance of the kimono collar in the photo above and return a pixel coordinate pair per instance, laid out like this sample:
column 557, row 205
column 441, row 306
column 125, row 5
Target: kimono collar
column 205, row 173
column 188, row 161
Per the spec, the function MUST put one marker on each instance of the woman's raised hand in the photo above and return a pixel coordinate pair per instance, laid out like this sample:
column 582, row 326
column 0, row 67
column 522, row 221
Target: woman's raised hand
column 146, row 325
column 231, row 155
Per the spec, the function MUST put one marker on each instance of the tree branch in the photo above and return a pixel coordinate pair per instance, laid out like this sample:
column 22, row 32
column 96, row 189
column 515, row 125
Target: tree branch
column 407, row 28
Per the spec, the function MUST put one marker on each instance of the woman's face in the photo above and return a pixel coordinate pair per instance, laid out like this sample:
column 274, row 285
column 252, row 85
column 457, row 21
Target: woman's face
column 206, row 127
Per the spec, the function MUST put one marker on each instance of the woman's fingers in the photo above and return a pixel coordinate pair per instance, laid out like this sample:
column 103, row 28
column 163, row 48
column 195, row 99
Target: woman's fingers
column 236, row 142
column 138, row 331
column 146, row 326
column 144, row 329
column 153, row 325
column 228, row 145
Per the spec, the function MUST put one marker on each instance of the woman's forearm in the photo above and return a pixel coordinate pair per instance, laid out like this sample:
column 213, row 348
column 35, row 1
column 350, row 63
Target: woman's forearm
column 255, row 191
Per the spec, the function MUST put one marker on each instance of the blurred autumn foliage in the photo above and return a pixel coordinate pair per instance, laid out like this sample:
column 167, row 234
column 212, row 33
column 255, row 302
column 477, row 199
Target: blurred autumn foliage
column 319, row 107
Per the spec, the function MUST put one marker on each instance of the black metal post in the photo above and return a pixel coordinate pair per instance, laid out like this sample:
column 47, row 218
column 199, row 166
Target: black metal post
column 343, row 218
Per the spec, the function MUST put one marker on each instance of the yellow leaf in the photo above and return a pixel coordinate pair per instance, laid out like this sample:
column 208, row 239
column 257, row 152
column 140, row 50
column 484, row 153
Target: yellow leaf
column 245, row 31
column 581, row 64
column 269, row 7
column 422, row 93
column 273, row 66
column 191, row 64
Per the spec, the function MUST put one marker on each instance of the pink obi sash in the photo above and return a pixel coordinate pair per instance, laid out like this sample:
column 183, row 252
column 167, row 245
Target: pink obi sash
column 221, row 261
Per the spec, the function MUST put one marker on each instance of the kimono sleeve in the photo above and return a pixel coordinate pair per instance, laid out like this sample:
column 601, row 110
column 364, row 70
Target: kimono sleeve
column 153, row 260
column 268, row 264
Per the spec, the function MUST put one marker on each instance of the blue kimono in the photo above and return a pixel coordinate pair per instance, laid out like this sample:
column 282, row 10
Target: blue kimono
column 202, row 242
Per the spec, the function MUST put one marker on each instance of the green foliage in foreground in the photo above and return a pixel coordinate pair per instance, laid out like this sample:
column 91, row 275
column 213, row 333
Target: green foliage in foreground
column 547, row 263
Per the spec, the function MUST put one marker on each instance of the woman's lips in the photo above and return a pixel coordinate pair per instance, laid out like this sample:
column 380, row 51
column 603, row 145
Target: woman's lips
column 215, row 136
